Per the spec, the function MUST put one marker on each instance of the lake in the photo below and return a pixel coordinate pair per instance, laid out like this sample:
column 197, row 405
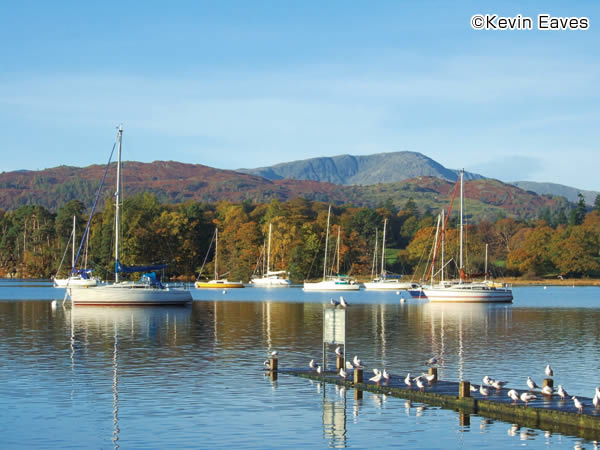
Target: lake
column 192, row 377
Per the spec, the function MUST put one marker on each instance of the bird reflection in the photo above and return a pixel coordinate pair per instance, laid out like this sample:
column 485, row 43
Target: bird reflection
column 407, row 406
column 514, row 430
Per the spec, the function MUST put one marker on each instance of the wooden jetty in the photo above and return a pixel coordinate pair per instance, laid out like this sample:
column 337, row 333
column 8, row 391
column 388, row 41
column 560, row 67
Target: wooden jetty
column 546, row 412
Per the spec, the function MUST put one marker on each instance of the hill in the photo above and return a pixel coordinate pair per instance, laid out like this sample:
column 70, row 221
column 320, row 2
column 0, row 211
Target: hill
column 570, row 193
column 362, row 170
column 175, row 182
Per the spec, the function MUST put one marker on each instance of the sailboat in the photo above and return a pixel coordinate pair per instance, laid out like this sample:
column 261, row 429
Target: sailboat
column 462, row 290
column 332, row 282
column 386, row 282
column 78, row 277
column 271, row 278
column 217, row 282
column 147, row 291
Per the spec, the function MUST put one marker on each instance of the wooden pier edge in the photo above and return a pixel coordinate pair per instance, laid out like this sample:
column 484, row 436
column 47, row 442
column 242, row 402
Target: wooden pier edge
column 565, row 422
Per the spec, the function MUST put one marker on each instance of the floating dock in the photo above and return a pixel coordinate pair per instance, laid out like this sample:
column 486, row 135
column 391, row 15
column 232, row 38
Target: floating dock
column 546, row 412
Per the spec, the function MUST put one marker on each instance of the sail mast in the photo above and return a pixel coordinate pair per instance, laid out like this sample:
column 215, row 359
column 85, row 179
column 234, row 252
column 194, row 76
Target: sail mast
column 269, row 250
column 117, row 204
column 461, row 224
column 216, row 252
column 374, row 267
column 326, row 245
column 73, row 252
column 383, row 250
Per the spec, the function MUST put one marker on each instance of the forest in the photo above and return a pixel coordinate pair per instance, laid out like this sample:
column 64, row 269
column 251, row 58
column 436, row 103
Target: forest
column 34, row 240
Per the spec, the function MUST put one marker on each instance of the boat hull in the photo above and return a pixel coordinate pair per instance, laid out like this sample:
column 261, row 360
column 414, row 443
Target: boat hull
column 389, row 286
column 218, row 284
column 331, row 286
column 128, row 295
column 75, row 282
column 453, row 295
column 270, row 282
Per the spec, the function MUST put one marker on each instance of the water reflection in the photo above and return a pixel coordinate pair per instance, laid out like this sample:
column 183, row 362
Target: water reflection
column 334, row 416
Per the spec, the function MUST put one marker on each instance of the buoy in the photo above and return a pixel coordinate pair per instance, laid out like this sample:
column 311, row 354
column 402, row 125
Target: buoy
column 397, row 292
column 224, row 291
column 53, row 304
column 402, row 300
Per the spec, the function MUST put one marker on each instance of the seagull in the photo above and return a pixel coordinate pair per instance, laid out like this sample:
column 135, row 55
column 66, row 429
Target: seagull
column 484, row 391
column 343, row 302
column 598, row 391
column 487, row 381
column 349, row 365
column 333, row 302
column 526, row 397
column 547, row 390
column 266, row 363
column 432, row 361
column 473, row 388
column 376, row 378
column 274, row 354
column 386, row 375
column 549, row 371
column 375, row 370
column 312, row 364
column 561, row 392
column 429, row 377
column 319, row 370
column 596, row 402
column 531, row 384
column 343, row 374
column 357, row 362
column 578, row 404
column 407, row 380
column 514, row 395
column 420, row 384
column 338, row 350
column 498, row 384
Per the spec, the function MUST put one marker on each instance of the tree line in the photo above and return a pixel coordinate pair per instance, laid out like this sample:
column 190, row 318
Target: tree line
column 34, row 240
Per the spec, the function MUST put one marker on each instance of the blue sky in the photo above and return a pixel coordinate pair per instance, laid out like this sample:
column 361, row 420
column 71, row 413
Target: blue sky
column 236, row 84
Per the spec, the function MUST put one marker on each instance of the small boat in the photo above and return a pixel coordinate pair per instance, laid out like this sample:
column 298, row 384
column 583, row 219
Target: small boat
column 78, row 277
column 217, row 283
column 271, row 278
column 387, row 282
column 332, row 282
column 462, row 290
column 147, row 291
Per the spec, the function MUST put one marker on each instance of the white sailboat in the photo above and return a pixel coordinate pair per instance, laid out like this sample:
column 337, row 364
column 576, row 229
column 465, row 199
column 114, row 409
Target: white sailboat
column 461, row 290
column 78, row 277
column 271, row 278
column 332, row 282
column 217, row 282
column 148, row 291
column 385, row 282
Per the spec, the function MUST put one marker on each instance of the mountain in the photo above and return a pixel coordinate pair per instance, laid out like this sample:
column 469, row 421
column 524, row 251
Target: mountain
column 570, row 193
column 175, row 182
column 361, row 170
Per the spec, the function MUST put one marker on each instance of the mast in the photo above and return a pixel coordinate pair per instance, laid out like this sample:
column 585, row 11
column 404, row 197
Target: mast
column 269, row 250
column 434, row 249
column 73, row 253
column 117, row 204
column 338, row 251
column 443, row 242
column 383, row 250
column 216, row 252
column 374, row 266
column 461, row 224
column 326, row 245
column 486, row 256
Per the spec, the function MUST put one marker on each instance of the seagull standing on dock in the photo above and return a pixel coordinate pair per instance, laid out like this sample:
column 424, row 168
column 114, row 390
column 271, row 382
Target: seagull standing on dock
column 420, row 384
column 357, row 362
column 428, row 377
column 343, row 302
column 526, row 397
column 596, row 401
column 577, row 404
column 333, row 302
column 338, row 350
column 386, row 375
column 547, row 390
column 432, row 361
column 484, row 391
column 319, row 370
column 377, row 377
column 549, row 371
column 343, row 374
column 598, row 391
column 514, row 395
column 531, row 384
column 312, row 364
column 561, row 392
column 274, row 354
column 498, row 384
column 349, row 365
column 408, row 380
column 473, row 388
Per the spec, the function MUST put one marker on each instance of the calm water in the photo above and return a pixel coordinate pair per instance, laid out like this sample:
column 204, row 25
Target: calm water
column 192, row 377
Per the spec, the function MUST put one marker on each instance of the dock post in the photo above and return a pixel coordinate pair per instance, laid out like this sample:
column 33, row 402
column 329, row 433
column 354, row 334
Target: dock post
column 339, row 364
column 433, row 371
column 273, row 364
column 548, row 382
column 464, row 389
column 358, row 375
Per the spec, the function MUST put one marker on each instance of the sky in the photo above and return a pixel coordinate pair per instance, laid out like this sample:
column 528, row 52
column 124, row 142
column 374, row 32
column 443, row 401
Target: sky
column 244, row 84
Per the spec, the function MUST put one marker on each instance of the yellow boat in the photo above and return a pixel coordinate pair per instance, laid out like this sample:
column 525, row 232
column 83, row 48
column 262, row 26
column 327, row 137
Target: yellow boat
column 218, row 284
